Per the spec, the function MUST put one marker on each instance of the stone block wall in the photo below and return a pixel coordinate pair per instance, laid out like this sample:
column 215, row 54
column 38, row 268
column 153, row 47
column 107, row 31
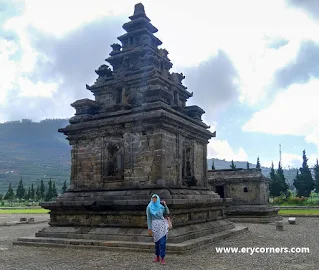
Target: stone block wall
column 244, row 193
column 243, row 186
column 134, row 158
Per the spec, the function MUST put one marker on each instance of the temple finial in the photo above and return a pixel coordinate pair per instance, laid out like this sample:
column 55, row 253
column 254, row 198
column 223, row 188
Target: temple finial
column 139, row 12
column 139, row 9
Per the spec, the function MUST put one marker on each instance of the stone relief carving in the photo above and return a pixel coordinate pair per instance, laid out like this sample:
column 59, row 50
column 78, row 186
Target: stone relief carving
column 104, row 72
column 177, row 77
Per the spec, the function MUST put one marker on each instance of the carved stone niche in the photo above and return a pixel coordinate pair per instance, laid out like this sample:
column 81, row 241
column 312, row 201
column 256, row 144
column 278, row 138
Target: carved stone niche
column 107, row 99
column 127, row 63
column 145, row 40
column 187, row 164
column 112, row 161
column 158, row 93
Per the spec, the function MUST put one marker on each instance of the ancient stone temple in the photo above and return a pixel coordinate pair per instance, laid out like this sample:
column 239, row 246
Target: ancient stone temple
column 249, row 191
column 136, row 138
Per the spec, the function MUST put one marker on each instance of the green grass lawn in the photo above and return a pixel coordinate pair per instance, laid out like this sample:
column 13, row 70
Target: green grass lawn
column 24, row 211
column 306, row 212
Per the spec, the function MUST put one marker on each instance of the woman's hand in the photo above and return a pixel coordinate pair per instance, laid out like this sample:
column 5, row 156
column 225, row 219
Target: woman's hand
column 150, row 232
column 164, row 203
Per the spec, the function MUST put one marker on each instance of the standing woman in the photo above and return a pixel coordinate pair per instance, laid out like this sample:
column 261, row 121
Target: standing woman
column 158, row 226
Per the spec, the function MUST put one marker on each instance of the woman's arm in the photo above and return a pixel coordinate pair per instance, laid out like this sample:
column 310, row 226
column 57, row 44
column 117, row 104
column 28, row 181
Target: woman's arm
column 166, row 210
column 149, row 218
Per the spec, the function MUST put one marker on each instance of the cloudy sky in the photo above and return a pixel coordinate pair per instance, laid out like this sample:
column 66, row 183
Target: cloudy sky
column 253, row 65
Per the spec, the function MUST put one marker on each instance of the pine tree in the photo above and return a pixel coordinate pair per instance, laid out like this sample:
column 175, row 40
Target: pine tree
column 42, row 190
column 280, row 172
column 20, row 190
column 304, row 183
column 272, row 171
column 213, row 166
column 38, row 194
column 27, row 194
column 258, row 163
column 49, row 194
column 64, row 187
column 283, row 184
column 54, row 191
column 247, row 165
column 232, row 165
column 10, row 194
column 32, row 193
column 316, row 170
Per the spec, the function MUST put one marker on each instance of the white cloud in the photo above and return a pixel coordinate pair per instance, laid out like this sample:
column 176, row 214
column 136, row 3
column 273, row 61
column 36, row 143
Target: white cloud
column 215, row 24
column 38, row 89
column 222, row 150
column 191, row 34
column 8, row 67
column 291, row 113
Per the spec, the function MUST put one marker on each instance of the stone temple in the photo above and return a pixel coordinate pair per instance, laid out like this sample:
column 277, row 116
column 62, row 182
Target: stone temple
column 136, row 138
column 249, row 191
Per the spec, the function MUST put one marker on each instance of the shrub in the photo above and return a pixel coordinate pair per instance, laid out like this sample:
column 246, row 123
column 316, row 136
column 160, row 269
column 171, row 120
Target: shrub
column 278, row 200
column 297, row 200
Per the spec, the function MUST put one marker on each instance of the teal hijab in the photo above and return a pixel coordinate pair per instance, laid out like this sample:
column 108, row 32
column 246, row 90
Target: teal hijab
column 155, row 207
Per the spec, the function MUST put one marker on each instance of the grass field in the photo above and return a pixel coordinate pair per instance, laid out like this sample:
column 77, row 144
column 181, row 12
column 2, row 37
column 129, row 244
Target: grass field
column 296, row 212
column 24, row 211
column 306, row 212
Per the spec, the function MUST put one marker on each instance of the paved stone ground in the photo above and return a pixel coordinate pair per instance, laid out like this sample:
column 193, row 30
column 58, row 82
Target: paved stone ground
column 16, row 217
column 304, row 234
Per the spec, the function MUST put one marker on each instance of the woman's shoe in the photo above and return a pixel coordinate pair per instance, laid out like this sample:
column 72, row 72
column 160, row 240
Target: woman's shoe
column 156, row 259
column 163, row 261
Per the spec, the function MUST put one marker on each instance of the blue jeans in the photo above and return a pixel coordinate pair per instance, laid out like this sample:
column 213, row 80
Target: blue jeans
column 160, row 247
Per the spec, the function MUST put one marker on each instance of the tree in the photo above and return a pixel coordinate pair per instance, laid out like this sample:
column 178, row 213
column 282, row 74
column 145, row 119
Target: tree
column 27, row 194
column 38, row 193
column 258, row 163
column 213, row 167
column 304, row 183
column 20, row 190
column 316, row 170
column 32, row 193
column 280, row 172
column 277, row 184
column 54, row 191
column 1, row 197
column 232, row 165
column 64, row 187
column 10, row 194
column 49, row 194
column 42, row 190
column 247, row 165
column 272, row 171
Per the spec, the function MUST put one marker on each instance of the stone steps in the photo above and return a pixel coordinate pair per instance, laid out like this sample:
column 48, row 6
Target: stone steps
column 177, row 235
column 177, row 248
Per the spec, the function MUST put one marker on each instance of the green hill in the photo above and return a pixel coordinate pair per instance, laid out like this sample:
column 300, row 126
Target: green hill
column 33, row 151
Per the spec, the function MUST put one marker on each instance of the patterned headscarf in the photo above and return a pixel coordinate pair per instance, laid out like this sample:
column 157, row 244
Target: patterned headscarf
column 155, row 207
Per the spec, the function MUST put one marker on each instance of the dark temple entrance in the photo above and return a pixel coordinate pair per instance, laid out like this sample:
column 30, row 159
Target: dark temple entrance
column 220, row 191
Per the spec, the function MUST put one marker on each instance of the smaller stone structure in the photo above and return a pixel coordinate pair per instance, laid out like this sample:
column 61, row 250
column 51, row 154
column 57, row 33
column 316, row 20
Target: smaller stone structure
column 249, row 191
column 279, row 225
column 292, row 220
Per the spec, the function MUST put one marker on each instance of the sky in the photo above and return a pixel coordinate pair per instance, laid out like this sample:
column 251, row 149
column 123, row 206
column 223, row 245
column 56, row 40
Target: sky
column 253, row 66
